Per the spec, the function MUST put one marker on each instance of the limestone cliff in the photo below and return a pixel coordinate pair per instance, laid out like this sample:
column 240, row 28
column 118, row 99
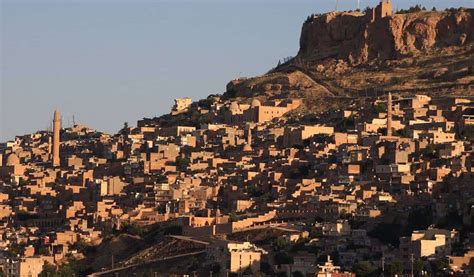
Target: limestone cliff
column 348, row 54
column 360, row 38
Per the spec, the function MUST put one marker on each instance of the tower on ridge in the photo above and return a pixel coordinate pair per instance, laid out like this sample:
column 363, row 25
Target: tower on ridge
column 385, row 8
column 56, row 129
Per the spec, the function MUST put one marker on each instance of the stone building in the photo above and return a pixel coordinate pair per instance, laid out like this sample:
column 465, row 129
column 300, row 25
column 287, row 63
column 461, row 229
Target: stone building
column 181, row 105
column 244, row 255
column 383, row 9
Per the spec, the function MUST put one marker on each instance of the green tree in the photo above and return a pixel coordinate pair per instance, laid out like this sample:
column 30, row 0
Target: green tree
column 65, row 270
column 283, row 258
column 49, row 270
column 280, row 243
column 44, row 251
column 233, row 217
column 298, row 274
column 182, row 163
column 387, row 233
column 344, row 214
column 248, row 271
column 405, row 132
column 380, row 108
column 83, row 247
column 396, row 267
column 124, row 129
column 174, row 228
column 419, row 219
column 439, row 266
column 266, row 268
column 418, row 266
column 363, row 268
column 215, row 268
column 132, row 229
column 255, row 191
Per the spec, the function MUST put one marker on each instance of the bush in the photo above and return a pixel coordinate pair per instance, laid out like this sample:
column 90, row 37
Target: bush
column 363, row 268
column 299, row 172
column 416, row 8
column 283, row 258
column 255, row 191
column 83, row 247
column 380, row 108
column 280, row 243
column 173, row 228
column 387, row 233
column 396, row 268
column 298, row 274
column 71, row 268
column 132, row 229
column 233, row 217
column 182, row 163
column 266, row 268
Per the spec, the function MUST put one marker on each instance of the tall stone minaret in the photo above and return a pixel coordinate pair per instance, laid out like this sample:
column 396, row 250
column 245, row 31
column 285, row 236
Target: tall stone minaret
column 249, row 135
column 56, row 128
column 248, row 145
column 389, row 114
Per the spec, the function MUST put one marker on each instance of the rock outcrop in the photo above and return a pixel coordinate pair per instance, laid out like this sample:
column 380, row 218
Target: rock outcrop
column 273, row 84
column 346, row 54
column 360, row 38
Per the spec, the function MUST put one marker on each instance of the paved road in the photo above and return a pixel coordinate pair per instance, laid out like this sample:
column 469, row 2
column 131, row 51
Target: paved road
column 118, row 269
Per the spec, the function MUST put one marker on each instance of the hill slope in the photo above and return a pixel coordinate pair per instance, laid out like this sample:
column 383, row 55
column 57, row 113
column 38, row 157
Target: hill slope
column 349, row 54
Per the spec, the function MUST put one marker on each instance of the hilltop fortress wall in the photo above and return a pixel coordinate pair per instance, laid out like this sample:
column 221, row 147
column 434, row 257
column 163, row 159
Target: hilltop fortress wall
column 381, row 34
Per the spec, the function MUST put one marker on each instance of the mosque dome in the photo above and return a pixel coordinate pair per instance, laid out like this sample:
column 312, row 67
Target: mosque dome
column 256, row 103
column 12, row 159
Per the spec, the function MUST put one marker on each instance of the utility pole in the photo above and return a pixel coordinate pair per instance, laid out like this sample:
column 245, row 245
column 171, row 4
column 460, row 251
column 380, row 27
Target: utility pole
column 113, row 263
column 383, row 265
column 412, row 260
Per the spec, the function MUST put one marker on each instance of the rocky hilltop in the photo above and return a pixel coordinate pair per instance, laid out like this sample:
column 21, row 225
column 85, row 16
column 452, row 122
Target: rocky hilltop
column 360, row 38
column 349, row 54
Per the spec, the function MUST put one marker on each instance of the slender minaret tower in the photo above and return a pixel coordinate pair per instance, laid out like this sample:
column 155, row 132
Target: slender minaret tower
column 249, row 135
column 389, row 114
column 248, row 145
column 56, row 128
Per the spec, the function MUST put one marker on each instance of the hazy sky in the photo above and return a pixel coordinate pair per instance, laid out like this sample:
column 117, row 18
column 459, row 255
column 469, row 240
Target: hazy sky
column 107, row 62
